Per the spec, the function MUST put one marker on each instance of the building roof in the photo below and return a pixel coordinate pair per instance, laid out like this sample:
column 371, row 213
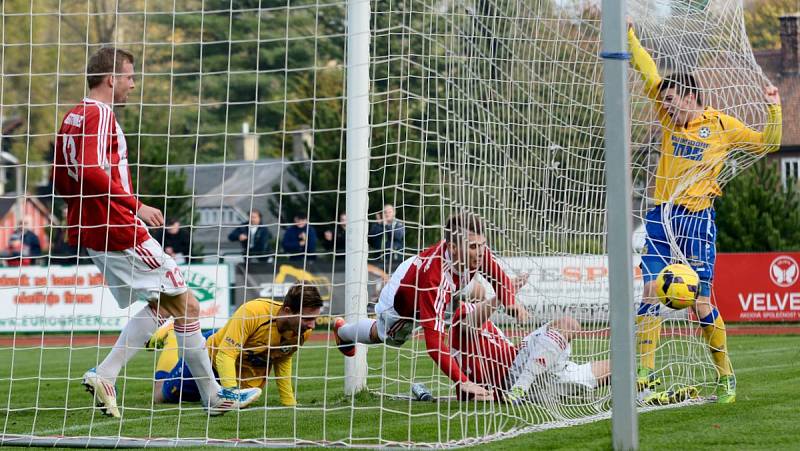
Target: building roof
column 6, row 204
column 8, row 200
column 789, row 87
column 238, row 184
column 241, row 185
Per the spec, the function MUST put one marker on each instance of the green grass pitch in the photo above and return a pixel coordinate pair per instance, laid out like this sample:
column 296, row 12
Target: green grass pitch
column 33, row 383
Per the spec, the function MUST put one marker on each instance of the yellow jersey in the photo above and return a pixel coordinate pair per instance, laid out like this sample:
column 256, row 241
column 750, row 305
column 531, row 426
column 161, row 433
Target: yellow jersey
column 692, row 156
column 249, row 344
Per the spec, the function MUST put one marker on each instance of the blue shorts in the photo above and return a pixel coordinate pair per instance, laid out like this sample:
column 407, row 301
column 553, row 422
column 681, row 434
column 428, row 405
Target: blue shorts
column 179, row 385
column 695, row 234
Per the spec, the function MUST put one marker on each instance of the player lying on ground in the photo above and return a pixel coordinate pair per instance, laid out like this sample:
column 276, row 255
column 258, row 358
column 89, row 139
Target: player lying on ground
column 91, row 174
column 261, row 335
column 491, row 360
column 696, row 141
column 420, row 290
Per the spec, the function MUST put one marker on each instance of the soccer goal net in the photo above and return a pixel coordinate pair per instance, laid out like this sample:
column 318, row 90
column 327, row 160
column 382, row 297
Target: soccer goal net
column 235, row 130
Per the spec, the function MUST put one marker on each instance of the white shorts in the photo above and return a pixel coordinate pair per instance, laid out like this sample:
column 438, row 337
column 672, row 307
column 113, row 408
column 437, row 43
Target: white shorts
column 574, row 374
column 140, row 273
column 393, row 329
column 565, row 371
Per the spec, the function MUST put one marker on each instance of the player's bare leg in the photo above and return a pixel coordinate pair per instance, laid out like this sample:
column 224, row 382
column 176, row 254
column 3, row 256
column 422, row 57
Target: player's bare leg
column 347, row 335
column 158, row 395
column 567, row 327
column 601, row 369
column 192, row 346
column 101, row 381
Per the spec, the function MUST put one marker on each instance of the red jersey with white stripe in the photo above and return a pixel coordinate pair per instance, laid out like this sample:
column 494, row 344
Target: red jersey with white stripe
column 430, row 281
column 486, row 354
column 91, row 173
column 426, row 288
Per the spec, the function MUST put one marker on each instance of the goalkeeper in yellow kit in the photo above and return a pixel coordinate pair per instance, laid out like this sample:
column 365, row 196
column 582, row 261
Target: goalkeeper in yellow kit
column 696, row 141
column 261, row 335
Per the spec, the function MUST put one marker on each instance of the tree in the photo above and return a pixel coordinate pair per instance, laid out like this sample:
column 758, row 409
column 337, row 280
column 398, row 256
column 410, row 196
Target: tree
column 761, row 18
column 757, row 214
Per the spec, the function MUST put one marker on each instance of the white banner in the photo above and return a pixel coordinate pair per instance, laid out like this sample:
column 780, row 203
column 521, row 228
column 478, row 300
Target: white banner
column 575, row 284
column 74, row 298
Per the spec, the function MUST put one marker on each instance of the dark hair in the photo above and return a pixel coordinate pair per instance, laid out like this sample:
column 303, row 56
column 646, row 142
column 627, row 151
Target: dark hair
column 460, row 224
column 103, row 63
column 302, row 296
column 685, row 84
column 258, row 212
column 300, row 215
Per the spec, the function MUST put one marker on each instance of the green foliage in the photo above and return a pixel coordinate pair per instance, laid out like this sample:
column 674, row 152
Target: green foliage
column 761, row 18
column 757, row 214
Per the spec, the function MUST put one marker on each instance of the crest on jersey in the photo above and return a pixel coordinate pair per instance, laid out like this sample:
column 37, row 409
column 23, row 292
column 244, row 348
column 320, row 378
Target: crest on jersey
column 705, row 132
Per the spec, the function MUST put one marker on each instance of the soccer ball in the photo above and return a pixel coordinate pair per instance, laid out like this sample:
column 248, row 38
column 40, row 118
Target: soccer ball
column 677, row 286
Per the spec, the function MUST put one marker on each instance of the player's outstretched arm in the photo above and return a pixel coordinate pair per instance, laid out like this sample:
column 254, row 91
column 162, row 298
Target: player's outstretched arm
column 505, row 287
column 744, row 137
column 643, row 62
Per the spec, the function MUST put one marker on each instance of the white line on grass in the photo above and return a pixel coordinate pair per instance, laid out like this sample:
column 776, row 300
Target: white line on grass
column 763, row 351
column 112, row 421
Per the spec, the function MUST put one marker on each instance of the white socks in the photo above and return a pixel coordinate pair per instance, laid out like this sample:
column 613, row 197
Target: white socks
column 133, row 338
column 357, row 332
column 192, row 348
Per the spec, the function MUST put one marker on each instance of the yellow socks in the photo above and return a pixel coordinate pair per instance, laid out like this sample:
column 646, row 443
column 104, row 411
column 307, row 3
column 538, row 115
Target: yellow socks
column 714, row 332
column 648, row 331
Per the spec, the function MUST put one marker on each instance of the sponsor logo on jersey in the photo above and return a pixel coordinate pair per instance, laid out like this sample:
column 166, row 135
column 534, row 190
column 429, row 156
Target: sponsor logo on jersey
column 687, row 148
column 73, row 119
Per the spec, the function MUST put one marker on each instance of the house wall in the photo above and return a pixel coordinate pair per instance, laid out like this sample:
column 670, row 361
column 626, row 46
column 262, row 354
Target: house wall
column 40, row 221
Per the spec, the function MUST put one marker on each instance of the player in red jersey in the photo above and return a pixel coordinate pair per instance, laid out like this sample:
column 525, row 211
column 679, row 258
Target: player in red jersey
column 420, row 290
column 491, row 360
column 91, row 173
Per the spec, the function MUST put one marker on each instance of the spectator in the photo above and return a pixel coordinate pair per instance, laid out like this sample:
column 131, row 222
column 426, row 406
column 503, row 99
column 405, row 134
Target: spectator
column 176, row 241
column 23, row 245
column 300, row 239
column 334, row 240
column 388, row 236
column 25, row 242
column 253, row 236
column 14, row 255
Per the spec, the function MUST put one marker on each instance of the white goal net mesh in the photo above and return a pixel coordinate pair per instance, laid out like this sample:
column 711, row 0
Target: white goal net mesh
column 236, row 132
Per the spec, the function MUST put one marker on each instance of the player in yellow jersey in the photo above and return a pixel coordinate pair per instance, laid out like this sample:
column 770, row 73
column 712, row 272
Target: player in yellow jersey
column 262, row 334
column 696, row 141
